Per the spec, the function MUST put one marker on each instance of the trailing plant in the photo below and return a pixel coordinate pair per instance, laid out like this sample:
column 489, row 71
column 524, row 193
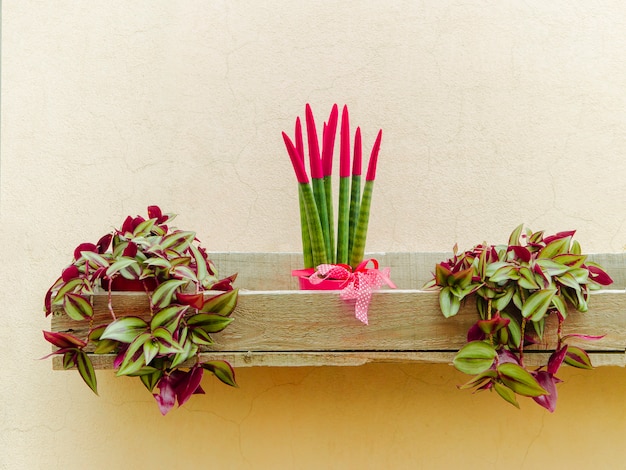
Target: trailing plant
column 175, row 273
column 517, row 287
column 319, row 244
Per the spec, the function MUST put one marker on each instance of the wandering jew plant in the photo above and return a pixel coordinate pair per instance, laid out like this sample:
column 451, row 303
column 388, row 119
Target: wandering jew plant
column 517, row 287
column 320, row 246
column 175, row 273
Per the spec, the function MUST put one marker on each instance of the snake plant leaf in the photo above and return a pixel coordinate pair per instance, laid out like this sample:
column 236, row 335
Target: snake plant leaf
column 475, row 357
column 222, row 370
column 506, row 393
column 77, row 307
column 537, row 304
column 578, row 357
column 519, row 380
column 125, row 330
column 162, row 295
column 222, row 304
column 86, row 370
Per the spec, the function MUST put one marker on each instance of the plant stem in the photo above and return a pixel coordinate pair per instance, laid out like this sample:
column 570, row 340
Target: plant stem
column 304, row 228
column 328, row 189
column 318, row 248
column 319, row 194
column 343, row 223
column 360, row 233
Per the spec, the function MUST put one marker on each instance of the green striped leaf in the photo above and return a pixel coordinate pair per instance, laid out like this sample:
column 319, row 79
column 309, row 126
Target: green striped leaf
column 77, row 307
column 520, row 380
column 475, row 357
column 537, row 304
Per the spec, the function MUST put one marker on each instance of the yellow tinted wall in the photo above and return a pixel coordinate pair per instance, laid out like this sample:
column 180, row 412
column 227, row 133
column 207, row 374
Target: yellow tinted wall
column 494, row 113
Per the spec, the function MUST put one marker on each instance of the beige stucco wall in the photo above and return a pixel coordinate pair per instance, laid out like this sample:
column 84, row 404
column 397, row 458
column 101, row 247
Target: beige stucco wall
column 494, row 113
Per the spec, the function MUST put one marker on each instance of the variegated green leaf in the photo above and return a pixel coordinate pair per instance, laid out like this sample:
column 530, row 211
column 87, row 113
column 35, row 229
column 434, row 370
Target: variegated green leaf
column 125, row 329
column 77, row 307
column 520, row 380
column 506, row 393
column 537, row 304
column 162, row 295
column 475, row 357
column 222, row 370
column 86, row 370
column 448, row 302
column 222, row 304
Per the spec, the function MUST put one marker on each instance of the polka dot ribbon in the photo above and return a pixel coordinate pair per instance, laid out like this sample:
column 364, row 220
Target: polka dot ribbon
column 359, row 285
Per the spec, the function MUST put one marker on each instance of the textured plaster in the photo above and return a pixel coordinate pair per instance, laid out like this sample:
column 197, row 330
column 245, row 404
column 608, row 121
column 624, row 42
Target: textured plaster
column 494, row 113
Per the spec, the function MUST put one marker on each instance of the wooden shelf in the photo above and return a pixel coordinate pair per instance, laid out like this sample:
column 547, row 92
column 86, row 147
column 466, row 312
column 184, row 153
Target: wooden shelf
column 312, row 328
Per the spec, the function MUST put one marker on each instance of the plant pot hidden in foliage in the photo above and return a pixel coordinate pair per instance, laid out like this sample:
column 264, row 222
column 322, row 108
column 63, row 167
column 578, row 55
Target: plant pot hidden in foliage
column 176, row 275
column 517, row 287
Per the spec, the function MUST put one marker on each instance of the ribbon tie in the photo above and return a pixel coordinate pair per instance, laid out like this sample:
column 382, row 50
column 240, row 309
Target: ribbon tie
column 359, row 284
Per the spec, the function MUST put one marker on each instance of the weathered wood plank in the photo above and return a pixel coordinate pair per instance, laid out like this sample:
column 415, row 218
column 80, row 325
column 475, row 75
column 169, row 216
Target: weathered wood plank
column 292, row 328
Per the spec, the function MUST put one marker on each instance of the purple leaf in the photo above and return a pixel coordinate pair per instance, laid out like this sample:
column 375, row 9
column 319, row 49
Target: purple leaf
column 69, row 273
column 556, row 359
column 166, row 398
column 558, row 236
column 548, row 382
column 188, row 384
column 193, row 300
column 521, row 252
column 84, row 247
column 104, row 243
column 130, row 250
column 475, row 333
column 154, row 212
column 599, row 275
column 586, row 337
column 63, row 340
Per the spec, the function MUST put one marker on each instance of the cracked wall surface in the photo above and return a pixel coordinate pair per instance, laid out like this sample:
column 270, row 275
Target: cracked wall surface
column 494, row 114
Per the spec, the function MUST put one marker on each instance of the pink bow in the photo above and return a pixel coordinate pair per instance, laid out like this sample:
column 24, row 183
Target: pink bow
column 359, row 284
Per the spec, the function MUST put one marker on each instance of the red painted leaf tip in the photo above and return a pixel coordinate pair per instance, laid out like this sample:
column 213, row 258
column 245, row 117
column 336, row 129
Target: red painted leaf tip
column 357, row 161
column 371, row 168
column 296, row 160
column 314, row 147
column 344, row 158
column 328, row 141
